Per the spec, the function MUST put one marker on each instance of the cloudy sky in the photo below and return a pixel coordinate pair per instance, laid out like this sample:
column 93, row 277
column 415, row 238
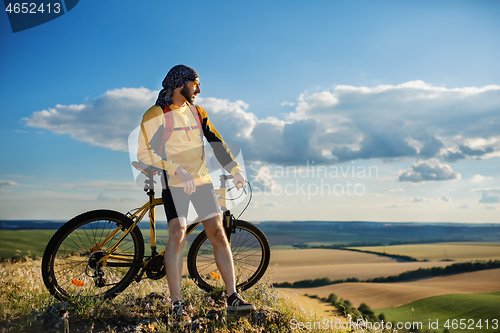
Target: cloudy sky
column 342, row 110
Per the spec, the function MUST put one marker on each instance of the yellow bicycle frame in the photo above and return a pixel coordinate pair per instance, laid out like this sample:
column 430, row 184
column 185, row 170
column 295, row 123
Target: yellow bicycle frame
column 137, row 217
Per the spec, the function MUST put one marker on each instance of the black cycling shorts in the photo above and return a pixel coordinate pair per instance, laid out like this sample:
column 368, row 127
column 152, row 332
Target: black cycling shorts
column 204, row 199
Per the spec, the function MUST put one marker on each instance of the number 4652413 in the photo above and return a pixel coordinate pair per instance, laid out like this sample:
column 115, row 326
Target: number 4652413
column 471, row 324
column 33, row 8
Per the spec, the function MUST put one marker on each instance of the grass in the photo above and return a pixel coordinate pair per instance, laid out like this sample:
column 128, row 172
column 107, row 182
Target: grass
column 310, row 238
column 471, row 307
column 19, row 243
column 26, row 306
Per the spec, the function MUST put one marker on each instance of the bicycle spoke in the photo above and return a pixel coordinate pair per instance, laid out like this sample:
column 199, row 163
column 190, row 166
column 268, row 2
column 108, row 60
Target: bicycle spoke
column 250, row 258
column 77, row 257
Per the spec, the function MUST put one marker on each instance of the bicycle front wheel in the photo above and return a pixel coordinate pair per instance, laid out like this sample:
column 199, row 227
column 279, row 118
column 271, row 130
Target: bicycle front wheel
column 250, row 250
column 72, row 265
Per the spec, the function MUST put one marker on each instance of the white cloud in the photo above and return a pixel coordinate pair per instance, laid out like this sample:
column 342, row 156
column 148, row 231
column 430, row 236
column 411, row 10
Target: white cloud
column 410, row 119
column 6, row 183
column 442, row 198
column 105, row 122
column 94, row 185
column 107, row 197
column 230, row 118
column 476, row 179
column 264, row 180
column 430, row 170
column 489, row 195
column 287, row 103
column 413, row 119
column 445, row 198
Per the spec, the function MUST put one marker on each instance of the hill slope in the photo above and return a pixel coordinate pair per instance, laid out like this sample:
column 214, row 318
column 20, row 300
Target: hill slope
column 384, row 295
column 480, row 311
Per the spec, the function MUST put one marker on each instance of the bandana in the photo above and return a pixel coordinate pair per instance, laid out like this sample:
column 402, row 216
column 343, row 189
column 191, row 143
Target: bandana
column 177, row 76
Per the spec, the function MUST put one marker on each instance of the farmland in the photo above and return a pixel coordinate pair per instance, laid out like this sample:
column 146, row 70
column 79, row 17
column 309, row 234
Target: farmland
column 385, row 295
column 463, row 251
column 296, row 265
column 295, row 258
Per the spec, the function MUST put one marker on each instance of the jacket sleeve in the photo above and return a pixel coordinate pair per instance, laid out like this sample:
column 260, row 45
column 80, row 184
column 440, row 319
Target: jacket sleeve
column 221, row 150
column 150, row 141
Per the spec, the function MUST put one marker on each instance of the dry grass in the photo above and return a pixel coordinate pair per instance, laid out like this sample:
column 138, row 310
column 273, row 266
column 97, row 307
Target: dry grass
column 310, row 306
column 464, row 251
column 26, row 306
column 24, row 301
column 384, row 295
column 21, row 289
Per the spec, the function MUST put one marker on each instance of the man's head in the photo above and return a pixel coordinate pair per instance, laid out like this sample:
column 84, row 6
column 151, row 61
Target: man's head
column 180, row 76
column 190, row 90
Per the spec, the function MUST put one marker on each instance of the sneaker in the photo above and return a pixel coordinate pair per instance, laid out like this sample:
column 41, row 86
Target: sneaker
column 179, row 314
column 236, row 303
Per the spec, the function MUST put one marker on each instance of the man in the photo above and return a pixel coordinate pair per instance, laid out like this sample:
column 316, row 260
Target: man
column 171, row 139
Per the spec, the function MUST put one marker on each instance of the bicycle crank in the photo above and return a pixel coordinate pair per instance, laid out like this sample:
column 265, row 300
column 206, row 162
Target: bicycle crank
column 155, row 268
column 95, row 266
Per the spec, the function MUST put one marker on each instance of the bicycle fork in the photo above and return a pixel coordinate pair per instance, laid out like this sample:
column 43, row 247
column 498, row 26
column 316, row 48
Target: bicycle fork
column 229, row 223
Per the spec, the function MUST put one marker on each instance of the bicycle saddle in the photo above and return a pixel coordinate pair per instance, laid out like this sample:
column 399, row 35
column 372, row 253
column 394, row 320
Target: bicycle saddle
column 147, row 170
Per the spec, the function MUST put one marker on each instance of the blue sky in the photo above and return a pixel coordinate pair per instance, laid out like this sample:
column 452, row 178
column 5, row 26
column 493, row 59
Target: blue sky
column 404, row 93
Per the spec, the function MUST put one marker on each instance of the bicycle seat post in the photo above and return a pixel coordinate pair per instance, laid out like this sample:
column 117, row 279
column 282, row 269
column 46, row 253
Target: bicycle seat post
column 149, row 185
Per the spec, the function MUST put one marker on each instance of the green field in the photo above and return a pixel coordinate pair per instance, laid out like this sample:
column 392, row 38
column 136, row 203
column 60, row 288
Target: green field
column 20, row 243
column 473, row 309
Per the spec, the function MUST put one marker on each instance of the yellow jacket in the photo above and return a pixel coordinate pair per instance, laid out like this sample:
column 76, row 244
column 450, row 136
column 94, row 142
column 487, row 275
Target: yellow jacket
column 184, row 147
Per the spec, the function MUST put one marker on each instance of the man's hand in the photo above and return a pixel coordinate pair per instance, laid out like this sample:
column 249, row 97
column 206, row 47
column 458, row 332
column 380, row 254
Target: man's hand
column 186, row 179
column 239, row 180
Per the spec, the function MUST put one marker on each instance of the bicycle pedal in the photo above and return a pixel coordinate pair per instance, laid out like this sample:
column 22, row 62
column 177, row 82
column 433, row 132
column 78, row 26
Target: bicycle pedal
column 100, row 283
column 138, row 277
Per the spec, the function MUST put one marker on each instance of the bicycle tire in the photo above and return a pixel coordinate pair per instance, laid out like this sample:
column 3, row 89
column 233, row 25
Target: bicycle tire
column 251, row 254
column 69, row 263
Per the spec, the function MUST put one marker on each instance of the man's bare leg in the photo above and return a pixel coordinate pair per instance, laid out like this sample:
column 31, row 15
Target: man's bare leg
column 222, row 251
column 224, row 260
column 173, row 256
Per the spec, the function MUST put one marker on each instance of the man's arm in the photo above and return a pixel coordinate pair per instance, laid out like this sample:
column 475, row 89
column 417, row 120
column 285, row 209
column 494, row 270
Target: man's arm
column 221, row 150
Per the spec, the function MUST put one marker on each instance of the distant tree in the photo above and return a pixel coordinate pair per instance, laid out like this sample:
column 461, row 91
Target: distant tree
column 363, row 308
column 332, row 298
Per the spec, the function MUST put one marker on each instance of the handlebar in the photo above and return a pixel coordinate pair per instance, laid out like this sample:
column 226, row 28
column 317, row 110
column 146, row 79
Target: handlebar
column 224, row 178
column 149, row 171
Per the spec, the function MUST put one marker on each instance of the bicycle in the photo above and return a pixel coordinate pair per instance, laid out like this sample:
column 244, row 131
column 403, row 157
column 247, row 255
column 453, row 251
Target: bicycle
column 100, row 253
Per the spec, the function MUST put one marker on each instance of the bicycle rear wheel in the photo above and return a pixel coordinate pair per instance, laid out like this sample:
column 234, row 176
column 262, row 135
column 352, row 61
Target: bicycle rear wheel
column 250, row 250
column 70, row 264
